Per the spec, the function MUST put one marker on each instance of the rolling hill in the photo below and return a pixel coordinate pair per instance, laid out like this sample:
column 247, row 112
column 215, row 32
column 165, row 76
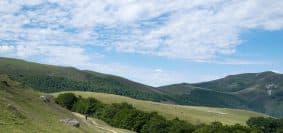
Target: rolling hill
column 262, row 92
column 22, row 110
column 191, row 114
column 188, row 94
column 49, row 78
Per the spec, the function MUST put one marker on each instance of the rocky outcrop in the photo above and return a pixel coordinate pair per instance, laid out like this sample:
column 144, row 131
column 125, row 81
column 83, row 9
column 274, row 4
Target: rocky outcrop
column 45, row 99
column 71, row 122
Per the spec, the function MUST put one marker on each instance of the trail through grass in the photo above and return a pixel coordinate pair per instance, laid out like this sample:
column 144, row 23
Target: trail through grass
column 101, row 125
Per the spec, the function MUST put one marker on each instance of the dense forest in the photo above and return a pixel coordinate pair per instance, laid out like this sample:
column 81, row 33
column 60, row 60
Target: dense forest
column 125, row 116
column 55, row 84
column 48, row 78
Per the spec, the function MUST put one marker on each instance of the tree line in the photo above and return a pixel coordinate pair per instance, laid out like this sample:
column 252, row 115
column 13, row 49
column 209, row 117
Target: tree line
column 123, row 115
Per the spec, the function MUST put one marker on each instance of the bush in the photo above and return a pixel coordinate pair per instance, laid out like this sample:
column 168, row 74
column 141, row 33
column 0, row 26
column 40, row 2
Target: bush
column 266, row 125
column 66, row 100
column 156, row 124
column 180, row 126
column 86, row 106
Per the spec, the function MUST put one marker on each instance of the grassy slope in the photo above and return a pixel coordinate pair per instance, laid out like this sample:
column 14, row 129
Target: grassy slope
column 31, row 114
column 193, row 114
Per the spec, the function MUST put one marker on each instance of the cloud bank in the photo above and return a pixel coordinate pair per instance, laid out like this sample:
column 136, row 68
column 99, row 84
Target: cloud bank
column 195, row 30
column 190, row 29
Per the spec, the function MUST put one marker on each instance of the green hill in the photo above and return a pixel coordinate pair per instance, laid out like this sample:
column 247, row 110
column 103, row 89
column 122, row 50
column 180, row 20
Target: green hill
column 192, row 114
column 22, row 110
column 236, row 83
column 187, row 94
column 48, row 78
column 262, row 92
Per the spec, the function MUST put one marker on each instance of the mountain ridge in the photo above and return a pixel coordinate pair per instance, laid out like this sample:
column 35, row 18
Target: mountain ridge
column 50, row 78
column 262, row 92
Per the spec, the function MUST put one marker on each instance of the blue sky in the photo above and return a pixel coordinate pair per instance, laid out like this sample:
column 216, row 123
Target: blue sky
column 156, row 42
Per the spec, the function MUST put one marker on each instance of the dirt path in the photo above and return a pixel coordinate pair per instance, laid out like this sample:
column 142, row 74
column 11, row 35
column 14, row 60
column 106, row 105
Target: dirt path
column 91, row 121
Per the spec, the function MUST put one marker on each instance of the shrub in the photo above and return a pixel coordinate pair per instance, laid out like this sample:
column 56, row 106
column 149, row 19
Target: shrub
column 86, row 106
column 180, row 126
column 156, row 124
column 266, row 125
column 66, row 100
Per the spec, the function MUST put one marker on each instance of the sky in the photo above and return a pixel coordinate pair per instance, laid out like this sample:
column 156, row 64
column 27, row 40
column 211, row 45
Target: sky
column 155, row 42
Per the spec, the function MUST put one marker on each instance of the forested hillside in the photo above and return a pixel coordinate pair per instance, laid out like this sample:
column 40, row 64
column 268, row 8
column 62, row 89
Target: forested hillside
column 191, row 95
column 48, row 78
column 262, row 92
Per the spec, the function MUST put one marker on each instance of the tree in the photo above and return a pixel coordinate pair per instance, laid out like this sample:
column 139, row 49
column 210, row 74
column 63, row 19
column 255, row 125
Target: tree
column 179, row 126
column 66, row 100
column 266, row 125
column 81, row 106
column 156, row 124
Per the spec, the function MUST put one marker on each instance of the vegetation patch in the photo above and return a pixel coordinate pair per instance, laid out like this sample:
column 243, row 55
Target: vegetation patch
column 125, row 116
column 191, row 114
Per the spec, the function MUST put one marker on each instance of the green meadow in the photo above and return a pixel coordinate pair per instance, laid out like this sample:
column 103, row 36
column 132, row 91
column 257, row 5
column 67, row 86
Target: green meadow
column 192, row 114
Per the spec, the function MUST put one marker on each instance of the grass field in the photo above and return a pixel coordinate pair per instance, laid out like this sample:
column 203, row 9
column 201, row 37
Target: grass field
column 193, row 114
column 22, row 111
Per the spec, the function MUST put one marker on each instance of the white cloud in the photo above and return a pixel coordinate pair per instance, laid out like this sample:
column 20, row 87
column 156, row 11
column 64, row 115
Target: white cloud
column 195, row 30
column 57, row 55
column 58, row 31
column 6, row 48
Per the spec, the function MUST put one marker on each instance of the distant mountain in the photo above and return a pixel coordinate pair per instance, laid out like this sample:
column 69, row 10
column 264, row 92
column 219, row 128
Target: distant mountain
column 188, row 94
column 262, row 92
column 240, row 82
